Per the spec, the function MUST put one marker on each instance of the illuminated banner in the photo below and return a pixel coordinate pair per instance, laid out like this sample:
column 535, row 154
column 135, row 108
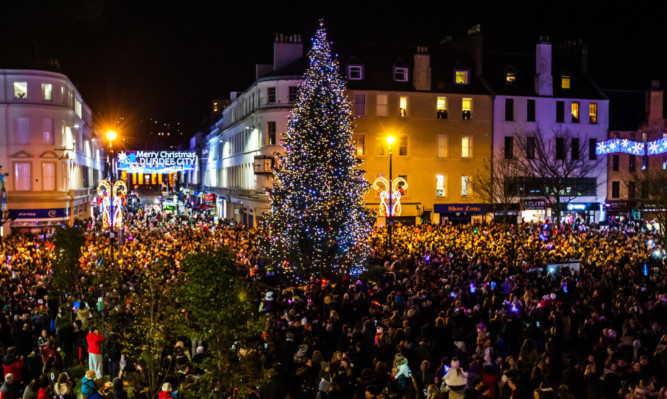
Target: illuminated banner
column 657, row 147
column 157, row 161
column 620, row 145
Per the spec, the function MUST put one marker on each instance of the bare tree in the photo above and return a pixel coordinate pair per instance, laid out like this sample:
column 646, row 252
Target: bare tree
column 555, row 168
column 493, row 182
column 650, row 186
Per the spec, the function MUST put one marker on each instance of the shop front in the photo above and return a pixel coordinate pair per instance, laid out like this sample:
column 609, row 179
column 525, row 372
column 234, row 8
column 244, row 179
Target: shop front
column 37, row 220
column 622, row 211
column 580, row 211
column 461, row 213
column 534, row 210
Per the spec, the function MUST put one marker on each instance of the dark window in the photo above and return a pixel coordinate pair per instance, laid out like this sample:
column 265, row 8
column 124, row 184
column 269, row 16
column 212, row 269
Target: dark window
column 644, row 189
column 271, row 95
column 631, row 190
column 560, row 148
column 575, row 148
column 530, row 148
column 530, row 111
column 293, row 93
column 509, row 147
column 509, row 109
column 614, row 162
column 271, row 132
column 592, row 144
column 560, row 111
column 631, row 163
column 615, row 189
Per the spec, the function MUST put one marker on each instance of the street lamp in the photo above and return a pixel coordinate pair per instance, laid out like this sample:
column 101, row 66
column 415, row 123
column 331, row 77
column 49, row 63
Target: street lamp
column 390, row 213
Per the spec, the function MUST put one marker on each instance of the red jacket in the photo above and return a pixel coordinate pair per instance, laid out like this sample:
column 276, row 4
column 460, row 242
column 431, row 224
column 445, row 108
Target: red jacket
column 94, row 341
column 14, row 368
column 164, row 395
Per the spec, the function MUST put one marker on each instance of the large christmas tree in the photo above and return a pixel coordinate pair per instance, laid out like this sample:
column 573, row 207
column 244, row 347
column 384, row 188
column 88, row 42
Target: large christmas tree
column 318, row 223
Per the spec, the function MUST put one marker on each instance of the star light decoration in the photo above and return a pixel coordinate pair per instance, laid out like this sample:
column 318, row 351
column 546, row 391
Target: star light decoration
column 318, row 222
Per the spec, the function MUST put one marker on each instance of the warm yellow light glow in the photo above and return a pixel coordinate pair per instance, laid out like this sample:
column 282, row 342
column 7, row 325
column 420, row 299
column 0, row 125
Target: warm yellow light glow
column 391, row 140
column 111, row 135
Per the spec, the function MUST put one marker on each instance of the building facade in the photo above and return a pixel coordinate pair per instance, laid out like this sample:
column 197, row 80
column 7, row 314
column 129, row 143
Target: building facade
column 548, row 102
column 48, row 149
column 438, row 108
column 635, row 116
column 242, row 147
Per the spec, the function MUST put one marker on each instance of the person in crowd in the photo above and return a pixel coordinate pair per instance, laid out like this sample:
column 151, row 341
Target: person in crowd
column 94, row 340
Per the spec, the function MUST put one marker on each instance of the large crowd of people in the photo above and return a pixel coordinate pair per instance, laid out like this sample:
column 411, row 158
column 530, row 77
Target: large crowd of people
column 457, row 311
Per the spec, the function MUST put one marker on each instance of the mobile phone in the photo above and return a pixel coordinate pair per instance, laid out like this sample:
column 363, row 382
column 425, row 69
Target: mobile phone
column 266, row 345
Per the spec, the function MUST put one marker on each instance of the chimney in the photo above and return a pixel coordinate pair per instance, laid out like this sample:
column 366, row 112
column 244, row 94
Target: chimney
column 421, row 73
column 655, row 103
column 544, row 82
column 286, row 49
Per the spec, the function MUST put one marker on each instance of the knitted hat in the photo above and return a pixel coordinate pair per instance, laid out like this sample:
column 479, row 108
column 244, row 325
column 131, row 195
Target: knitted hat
column 324, row 385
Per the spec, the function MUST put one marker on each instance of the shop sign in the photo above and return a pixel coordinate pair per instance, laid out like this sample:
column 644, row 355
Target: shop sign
column 534, row 204
column 57, row 213
column 157, row 161
column 462, row 208
column 209, row 197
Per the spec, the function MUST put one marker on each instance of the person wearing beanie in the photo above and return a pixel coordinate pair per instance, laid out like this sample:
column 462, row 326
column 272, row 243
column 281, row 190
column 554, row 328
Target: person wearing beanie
column 323, row 391
column 7, row 389
column 455, row 380
column 88, row 387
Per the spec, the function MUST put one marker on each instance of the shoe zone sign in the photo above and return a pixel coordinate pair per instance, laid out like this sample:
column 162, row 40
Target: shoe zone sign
column 157, row 161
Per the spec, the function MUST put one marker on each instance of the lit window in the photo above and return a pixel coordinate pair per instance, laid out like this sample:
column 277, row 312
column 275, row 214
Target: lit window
column 403, row 106
column 441, row 107
column 575, row 112
column 466, row 147
column 77, row 108
column 403, row 146
column 49, row 176
column 443, row 140
column 565, row 82
column 466, row 107
column 593, row 112
column 461, row 77
column 22, row 176
column 440, row 185
column 466, row 186
column 382, row 103
column 47, row 91
column 400, row 74
column 20, row 89
column 360, row 145
column 47, row 131
column 21, row 131
column 355, row 72
column 510, row 78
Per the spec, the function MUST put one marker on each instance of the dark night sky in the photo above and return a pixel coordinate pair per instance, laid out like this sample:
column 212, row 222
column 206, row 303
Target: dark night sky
column 168, row 59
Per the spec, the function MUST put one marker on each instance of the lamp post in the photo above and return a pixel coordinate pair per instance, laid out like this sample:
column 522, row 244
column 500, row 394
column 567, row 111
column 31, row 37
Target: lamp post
column 390, row 213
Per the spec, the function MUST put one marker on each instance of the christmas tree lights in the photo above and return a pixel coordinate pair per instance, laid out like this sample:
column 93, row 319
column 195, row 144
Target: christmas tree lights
column 318, row 222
